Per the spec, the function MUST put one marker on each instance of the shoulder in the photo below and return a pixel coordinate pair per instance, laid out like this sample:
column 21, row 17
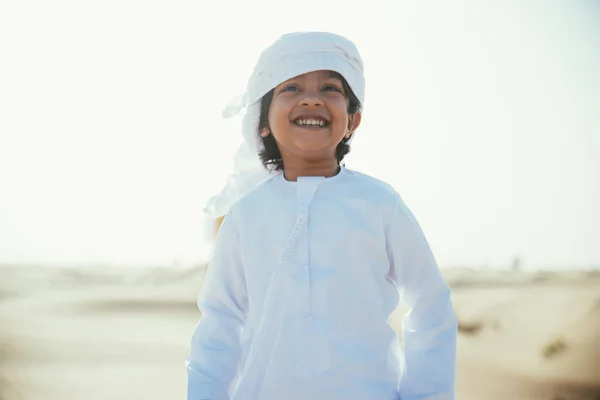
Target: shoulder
column 370, row 186
column 257, row 196
column 380, row 194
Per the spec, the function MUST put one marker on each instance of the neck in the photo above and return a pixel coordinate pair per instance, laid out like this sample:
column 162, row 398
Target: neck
column 293, row 169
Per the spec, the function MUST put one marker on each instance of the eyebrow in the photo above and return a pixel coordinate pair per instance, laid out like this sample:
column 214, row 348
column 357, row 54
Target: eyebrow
column 334, row 75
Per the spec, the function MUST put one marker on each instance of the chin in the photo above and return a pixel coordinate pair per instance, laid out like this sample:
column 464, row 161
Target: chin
column 313, row 147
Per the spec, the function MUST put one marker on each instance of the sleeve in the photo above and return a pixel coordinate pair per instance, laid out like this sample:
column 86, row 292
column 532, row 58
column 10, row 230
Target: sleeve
column 213, row 362
column 429, row 329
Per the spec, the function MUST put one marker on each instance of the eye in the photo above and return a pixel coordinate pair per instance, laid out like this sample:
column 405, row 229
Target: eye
column 290, row 88
column 332, row 88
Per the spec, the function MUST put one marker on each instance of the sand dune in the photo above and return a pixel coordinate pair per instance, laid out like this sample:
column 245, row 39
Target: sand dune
column 93, row 333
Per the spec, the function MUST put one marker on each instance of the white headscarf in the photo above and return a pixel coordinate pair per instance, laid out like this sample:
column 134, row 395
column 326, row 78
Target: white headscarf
column 291, row 55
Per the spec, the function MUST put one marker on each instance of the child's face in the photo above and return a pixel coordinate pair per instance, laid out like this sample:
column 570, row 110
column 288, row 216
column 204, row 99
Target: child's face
column 308, row 116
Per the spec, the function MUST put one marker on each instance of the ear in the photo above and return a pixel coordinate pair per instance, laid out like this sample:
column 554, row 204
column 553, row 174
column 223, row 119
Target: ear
column 264, row 132
column 353, row 123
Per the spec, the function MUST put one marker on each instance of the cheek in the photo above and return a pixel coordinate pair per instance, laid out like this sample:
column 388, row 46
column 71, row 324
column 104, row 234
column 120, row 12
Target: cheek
column 340, row 108
column 278, row 115
column 342, row 119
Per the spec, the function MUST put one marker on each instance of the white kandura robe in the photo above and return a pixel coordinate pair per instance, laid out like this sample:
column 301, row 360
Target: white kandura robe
column 297, row 299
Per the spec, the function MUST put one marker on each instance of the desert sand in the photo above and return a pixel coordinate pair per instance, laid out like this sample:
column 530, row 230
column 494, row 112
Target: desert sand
column 116, row 333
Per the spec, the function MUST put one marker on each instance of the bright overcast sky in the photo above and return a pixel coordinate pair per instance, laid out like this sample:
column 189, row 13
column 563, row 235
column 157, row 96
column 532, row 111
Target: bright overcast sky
column 483, row 115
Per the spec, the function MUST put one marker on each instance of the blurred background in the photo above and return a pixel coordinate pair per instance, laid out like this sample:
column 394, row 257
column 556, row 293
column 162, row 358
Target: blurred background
column 484, row 116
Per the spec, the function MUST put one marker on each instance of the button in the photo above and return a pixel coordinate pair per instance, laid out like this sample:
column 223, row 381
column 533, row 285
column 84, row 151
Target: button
column 305, row 266
column 301, row 218
column 309, row 317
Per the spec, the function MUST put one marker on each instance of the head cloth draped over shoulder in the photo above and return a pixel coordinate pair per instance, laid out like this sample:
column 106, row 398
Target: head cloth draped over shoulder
column 291, row 55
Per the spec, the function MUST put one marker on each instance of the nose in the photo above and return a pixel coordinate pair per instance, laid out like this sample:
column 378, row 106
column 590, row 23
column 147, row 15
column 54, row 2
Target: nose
column 311, row 98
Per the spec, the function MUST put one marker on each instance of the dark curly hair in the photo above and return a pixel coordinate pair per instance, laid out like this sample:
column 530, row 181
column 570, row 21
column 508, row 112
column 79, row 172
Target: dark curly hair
column 270, row 155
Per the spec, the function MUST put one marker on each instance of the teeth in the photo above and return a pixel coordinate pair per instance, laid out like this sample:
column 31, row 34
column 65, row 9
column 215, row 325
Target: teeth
column 311, row 122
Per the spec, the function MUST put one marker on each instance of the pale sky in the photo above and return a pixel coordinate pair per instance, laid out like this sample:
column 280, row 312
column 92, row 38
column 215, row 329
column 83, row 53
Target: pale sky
column 483, row 115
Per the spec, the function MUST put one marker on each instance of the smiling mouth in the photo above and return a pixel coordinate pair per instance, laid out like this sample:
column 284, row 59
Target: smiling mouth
column 311, row 122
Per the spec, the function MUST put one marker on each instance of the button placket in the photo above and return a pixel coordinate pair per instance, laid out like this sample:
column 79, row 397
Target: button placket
column 306, row 192
column 303, row 263
column 307, row 188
